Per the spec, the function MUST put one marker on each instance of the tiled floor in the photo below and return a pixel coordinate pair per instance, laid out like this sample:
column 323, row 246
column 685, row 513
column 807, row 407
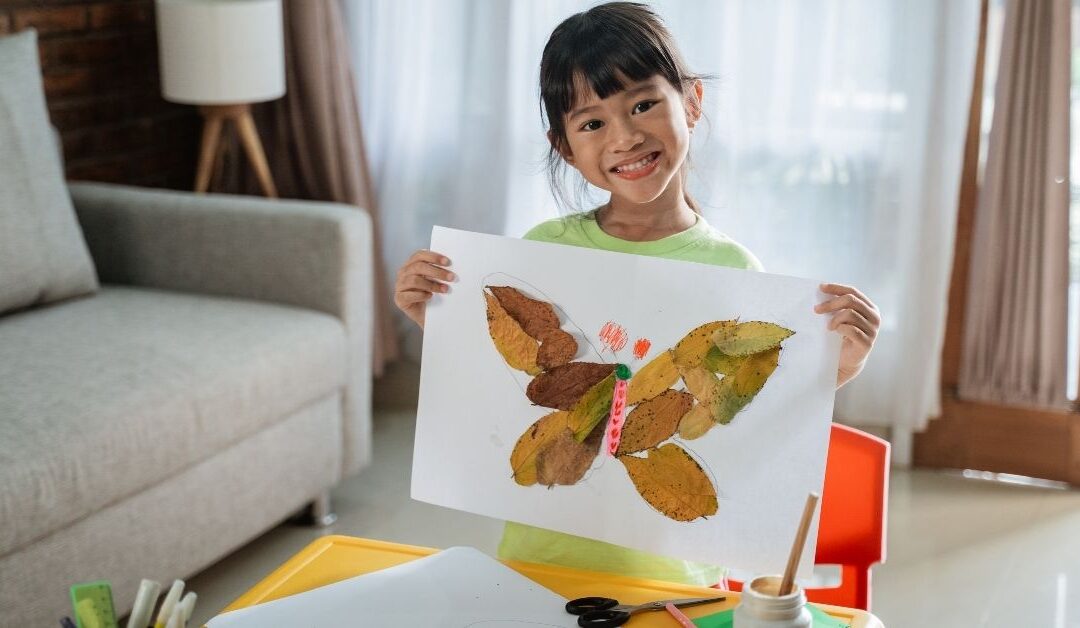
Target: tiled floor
column 961, row 552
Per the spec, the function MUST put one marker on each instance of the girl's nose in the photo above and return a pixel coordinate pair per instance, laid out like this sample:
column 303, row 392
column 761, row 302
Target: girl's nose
column 626, row 136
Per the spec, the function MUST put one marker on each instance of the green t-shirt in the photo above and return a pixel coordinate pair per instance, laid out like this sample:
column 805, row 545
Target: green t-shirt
column 700, row 243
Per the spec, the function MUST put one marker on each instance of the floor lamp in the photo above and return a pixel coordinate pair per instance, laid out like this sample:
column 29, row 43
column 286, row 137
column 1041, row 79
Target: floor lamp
column 223, row 55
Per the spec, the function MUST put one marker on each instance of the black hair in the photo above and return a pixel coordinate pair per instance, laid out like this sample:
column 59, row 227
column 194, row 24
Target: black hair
column 603, row 47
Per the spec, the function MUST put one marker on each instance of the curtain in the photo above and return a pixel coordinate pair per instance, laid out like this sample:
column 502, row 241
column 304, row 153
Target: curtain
column 833, row 146
column 1015, row 345
column 314, row 141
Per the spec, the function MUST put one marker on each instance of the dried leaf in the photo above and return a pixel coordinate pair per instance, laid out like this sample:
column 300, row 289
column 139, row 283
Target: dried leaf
column 535, row 440
column 736, row 391
column 701, row 383
column 692, row 349
column 556, row 348
column 672, row 482
column 517, row 348
column 592, row 408
column 564, row 385
column 535, row 317
column 697, row 422
column 719, row 362
column 654, row 421
column 749, row 338
column 755, row 371
column 565, row 460
column 653, row 378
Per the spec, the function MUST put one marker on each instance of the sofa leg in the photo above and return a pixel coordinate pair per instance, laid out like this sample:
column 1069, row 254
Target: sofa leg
column 321, row 512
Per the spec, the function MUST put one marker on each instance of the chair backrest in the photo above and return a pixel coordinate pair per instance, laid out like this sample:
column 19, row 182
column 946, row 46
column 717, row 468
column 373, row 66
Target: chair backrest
column 854, row 503
column 851, row 531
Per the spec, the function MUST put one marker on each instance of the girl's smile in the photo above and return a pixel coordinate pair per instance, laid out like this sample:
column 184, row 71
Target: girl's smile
column 637, row 168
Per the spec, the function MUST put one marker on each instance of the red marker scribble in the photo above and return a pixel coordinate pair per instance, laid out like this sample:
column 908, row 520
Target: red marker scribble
column 641, row 347
column 613, row 335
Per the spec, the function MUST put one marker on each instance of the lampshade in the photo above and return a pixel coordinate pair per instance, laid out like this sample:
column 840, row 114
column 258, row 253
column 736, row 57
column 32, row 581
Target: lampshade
column 216, row 52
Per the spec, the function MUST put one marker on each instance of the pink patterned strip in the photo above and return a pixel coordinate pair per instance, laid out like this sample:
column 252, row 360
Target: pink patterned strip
column 618, row 417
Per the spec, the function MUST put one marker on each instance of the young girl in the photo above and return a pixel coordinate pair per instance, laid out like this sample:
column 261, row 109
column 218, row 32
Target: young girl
column 621, row 105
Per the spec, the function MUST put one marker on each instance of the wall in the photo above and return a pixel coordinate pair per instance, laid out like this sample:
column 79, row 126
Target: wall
column 100, row 69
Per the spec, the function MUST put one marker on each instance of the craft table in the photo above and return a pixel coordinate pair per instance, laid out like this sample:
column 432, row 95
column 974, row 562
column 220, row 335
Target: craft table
column 333, row 558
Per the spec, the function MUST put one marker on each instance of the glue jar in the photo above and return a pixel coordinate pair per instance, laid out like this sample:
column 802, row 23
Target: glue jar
column 761, row 607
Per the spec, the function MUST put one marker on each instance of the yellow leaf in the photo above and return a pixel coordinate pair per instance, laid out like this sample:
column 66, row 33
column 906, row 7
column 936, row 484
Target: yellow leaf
column 517, row 348
column 749, row 338
column 692, row 349
column 672, row 482
column 701, row 383
column 535, row 439
column 652, row 379
column 736, row 391
column 654, row 421
column 696, row 422
column 592, row 408
column 755, row 371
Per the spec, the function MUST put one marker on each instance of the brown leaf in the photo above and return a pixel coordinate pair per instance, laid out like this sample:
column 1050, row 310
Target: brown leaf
column 749, row 338
column 692, row 349
column 652, row 379
column 697, row 422
column 654, row 421
column 564, row 385
column 535, row 439
column 672, row 482
column 535, row 317
column 565, row 460
column 556, row 348
column 516, row 347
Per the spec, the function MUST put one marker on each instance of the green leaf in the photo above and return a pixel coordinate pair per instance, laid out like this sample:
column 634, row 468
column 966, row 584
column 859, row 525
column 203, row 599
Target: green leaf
column 593, row 407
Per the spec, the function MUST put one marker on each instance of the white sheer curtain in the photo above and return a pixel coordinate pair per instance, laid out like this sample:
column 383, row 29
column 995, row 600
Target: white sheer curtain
column 833, row 149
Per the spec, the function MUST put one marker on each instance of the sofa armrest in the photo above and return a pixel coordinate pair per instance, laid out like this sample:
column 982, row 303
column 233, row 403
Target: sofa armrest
column 307, row 254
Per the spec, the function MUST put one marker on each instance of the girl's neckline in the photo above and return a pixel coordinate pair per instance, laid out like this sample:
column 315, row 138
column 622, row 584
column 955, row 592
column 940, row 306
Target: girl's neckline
column 667, row 244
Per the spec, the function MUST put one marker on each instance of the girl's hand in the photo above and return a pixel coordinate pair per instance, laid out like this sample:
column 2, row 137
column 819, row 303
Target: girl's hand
column 419, row 278
column 857, row 319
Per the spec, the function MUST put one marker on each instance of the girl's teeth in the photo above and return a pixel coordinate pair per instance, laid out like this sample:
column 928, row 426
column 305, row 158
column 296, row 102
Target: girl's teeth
column 637, row 165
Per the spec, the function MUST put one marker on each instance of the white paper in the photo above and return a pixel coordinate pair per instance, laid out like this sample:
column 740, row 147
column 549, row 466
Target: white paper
column 457, row 588
column 473, row 408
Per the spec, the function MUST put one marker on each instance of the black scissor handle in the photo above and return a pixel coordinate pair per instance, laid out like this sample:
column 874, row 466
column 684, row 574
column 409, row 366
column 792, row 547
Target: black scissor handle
column 584, row 605
column 603, row 619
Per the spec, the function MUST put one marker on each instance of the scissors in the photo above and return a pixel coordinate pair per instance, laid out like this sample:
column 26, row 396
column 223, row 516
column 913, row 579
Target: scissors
column 603, row 612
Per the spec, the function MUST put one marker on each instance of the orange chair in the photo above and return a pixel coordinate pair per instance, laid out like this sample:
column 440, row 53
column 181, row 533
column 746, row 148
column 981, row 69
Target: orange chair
column 851, row 532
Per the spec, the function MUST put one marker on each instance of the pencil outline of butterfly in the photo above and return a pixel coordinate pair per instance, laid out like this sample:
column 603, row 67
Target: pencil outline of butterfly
column 722, row 365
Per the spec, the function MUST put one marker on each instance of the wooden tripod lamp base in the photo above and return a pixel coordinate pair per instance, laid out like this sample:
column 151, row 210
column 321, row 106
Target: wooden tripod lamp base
column 214, row 118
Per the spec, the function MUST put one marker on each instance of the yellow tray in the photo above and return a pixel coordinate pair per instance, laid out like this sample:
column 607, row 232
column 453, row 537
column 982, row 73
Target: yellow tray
column 333, row 558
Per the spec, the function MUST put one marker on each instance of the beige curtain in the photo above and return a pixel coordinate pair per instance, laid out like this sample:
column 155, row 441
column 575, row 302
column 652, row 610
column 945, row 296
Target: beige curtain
column 1015, row 335
column 313, row 138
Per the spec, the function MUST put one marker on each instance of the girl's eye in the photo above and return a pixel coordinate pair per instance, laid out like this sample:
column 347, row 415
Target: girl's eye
column 591, row 125
column 644, row 106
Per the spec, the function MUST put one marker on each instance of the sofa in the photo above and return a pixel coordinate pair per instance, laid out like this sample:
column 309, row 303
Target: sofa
column 178, row 372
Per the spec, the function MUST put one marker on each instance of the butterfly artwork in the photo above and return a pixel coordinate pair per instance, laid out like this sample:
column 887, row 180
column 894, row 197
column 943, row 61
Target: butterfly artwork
column 643, row 418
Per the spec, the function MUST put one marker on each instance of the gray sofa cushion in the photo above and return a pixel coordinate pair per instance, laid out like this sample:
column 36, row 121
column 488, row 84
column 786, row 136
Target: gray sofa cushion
column 43, row 257
column 103, row 397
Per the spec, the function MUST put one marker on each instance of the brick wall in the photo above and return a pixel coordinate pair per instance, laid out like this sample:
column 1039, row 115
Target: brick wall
column 100, row 68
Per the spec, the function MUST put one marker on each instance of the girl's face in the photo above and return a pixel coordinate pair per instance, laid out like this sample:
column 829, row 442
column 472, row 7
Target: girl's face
column 633, row 143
